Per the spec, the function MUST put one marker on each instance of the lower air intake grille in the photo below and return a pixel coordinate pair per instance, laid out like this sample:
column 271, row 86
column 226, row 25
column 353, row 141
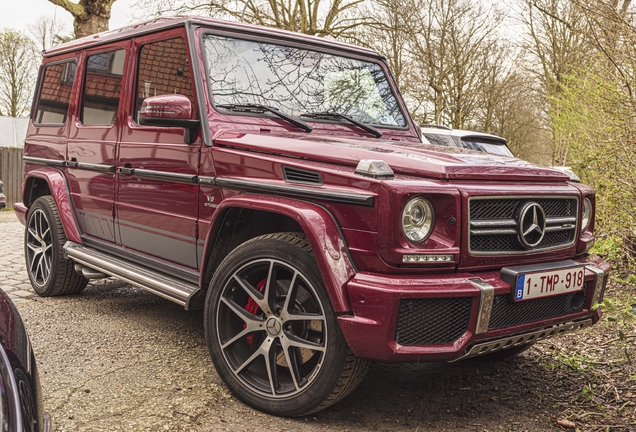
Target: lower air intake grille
column 432, row 321
column 506, row 312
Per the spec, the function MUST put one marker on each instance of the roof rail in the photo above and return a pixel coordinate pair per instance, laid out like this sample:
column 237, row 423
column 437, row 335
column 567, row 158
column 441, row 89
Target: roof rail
column 436, row 126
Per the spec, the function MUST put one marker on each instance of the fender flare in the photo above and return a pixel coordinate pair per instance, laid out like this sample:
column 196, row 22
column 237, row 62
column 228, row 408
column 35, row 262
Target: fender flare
column 321, row 229
column 60, row 193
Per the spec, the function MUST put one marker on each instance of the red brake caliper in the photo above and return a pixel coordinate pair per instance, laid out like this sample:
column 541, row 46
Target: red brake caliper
column 252, row 308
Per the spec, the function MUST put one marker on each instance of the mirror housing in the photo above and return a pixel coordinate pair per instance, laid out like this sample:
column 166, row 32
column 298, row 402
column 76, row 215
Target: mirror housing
column 173, row 110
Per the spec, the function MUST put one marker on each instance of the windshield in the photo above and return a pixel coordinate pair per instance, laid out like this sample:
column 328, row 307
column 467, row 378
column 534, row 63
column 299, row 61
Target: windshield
column 494, row 147
column 298, row 81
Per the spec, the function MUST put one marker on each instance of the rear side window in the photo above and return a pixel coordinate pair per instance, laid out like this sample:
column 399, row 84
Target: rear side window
column 55, row 93
column 442, row 140
column 163, row 69
column 102, row 87
column 488, row 146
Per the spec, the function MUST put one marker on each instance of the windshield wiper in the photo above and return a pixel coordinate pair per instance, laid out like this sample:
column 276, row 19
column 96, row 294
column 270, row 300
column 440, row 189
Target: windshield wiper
column 330, row 115
column 252, row 107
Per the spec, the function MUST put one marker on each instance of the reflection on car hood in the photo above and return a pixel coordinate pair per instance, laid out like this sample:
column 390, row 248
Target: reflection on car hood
column 403, row 157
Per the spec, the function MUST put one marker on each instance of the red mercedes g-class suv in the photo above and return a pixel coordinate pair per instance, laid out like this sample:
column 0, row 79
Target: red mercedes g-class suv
column 277, row 181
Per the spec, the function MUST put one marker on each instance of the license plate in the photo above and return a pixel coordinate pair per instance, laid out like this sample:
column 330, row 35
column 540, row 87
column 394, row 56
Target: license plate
column 532, row 285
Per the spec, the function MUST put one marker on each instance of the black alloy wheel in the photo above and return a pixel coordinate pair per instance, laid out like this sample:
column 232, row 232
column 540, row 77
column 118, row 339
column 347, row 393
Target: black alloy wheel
column 49, row 272
column 272, row 332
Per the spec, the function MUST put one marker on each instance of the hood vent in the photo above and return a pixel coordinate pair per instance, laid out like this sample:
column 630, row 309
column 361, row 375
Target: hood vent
column 301, row 176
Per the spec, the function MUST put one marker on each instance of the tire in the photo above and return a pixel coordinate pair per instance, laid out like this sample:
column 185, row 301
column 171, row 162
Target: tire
column 280, row 353
column 44, row 238
column 502, row 354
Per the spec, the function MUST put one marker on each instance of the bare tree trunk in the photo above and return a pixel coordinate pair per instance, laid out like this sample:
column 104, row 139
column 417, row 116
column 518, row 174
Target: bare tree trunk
column 90, row 16
column 91, row 24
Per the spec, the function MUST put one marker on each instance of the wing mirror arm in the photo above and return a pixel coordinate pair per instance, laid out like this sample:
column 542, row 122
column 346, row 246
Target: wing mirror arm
column 190, row 131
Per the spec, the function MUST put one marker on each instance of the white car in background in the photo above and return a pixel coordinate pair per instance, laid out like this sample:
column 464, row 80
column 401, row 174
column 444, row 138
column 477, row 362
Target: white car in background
column 488, row 143
column 3, row 199
column 445, row 136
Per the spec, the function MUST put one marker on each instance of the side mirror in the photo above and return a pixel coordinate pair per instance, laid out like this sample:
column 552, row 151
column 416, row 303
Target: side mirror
column 173, row 110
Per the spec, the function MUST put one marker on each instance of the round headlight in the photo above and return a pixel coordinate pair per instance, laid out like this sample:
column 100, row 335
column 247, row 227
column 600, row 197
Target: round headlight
column 417, row 220
column 587, row 214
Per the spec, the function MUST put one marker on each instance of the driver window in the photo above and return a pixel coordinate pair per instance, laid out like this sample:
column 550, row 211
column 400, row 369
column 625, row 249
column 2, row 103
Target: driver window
column 164, row 68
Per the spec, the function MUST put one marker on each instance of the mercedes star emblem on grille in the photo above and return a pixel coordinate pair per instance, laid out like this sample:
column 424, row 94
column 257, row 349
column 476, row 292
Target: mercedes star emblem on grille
column 531, row 225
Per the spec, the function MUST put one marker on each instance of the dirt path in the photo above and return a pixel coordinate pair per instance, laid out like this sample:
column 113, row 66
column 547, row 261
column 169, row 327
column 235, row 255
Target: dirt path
column 118, row 358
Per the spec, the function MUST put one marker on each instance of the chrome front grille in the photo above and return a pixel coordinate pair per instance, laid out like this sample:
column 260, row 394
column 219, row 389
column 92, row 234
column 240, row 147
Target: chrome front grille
column 494, row 224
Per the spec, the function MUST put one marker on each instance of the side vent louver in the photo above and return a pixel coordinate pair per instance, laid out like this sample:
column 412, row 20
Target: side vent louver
column 297, row 175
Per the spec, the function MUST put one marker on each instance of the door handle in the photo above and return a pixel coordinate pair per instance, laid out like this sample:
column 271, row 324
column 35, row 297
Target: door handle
column 126, row 169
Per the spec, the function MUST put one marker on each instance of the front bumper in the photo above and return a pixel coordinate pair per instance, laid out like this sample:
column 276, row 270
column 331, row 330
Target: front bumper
column 469, row 308
column 20, row 212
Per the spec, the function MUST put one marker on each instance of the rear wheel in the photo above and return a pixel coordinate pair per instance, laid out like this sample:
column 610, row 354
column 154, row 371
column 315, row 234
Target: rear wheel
column 44, row 238
column 271, row 330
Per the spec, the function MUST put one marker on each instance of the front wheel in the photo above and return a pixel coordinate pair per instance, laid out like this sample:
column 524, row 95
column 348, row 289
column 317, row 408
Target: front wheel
column 49, row 272
column 272, row 333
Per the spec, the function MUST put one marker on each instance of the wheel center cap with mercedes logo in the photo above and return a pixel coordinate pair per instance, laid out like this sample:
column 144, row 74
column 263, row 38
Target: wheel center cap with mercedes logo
column 531, row 222
column 273, row 326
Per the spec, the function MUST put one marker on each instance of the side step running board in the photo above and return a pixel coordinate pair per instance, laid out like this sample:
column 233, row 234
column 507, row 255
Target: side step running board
column 181, row 292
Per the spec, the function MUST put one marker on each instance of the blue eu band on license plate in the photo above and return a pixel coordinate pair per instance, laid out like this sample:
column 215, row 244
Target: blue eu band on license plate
column 521, row 281
column 534, row 285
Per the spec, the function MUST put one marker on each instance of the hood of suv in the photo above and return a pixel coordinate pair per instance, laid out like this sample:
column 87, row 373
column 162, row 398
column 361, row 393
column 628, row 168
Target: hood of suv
column 403, row 157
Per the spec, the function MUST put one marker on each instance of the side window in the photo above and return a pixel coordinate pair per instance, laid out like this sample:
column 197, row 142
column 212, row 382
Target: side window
column 55, row 93
column 442, row 140
column 163, row 69
column 102, row 87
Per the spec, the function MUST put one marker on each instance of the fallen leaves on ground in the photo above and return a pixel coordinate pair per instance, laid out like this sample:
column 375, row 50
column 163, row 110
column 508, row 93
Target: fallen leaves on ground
column 590, row 375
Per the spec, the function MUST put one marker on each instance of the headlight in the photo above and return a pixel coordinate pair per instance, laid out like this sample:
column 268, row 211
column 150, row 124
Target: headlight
column 417, row 220
column 587, row 214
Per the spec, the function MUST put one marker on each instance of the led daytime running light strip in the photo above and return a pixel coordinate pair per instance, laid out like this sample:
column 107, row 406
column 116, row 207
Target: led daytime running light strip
column 428, row 258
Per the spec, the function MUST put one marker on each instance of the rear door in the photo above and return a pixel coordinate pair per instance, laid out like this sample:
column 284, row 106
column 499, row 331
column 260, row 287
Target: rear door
column 47, row 136
column 93, row 138
column 157, row 192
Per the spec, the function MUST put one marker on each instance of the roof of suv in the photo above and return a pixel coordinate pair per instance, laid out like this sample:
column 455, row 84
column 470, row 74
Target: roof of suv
column 159, row 24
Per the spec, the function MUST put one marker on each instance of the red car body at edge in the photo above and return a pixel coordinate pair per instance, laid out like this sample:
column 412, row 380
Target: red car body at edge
column 277, row 181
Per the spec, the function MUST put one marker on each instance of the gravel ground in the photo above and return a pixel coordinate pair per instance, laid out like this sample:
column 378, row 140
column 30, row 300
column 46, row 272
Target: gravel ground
column 118, row 358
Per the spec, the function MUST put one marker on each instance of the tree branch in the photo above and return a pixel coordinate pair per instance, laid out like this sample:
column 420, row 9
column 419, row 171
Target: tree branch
column 74, row 9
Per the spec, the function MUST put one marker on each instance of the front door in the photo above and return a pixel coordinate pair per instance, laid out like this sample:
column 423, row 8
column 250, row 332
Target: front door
column 157, row 193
